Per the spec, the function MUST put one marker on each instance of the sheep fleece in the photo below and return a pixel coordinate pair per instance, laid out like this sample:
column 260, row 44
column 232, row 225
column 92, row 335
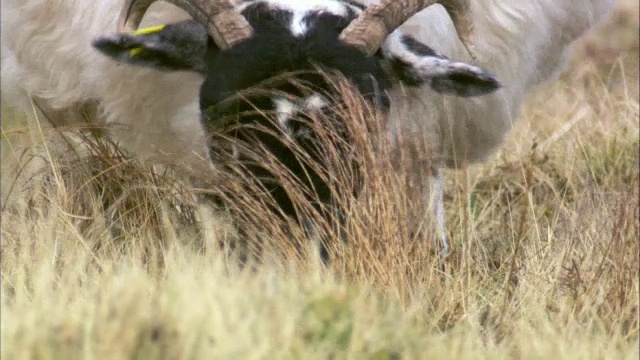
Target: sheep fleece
column 47, row 56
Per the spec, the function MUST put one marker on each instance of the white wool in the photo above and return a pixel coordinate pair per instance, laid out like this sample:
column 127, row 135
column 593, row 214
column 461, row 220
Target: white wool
column 47, row 55
column 522, row 42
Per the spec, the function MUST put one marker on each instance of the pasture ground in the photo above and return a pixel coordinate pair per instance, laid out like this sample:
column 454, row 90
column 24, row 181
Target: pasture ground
column 544, row 264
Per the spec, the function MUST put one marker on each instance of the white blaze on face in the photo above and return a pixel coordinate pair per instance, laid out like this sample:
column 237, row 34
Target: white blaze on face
column 298, row 25
column 300, row 9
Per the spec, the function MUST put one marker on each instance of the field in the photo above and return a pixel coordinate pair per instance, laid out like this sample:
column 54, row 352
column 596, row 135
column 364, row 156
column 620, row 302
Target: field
column 544, row 262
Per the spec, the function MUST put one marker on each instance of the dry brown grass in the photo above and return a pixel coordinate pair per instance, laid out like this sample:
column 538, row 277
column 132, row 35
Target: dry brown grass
column 99, row 264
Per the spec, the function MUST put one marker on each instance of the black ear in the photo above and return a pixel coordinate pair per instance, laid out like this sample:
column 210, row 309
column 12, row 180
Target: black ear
column 179, row 46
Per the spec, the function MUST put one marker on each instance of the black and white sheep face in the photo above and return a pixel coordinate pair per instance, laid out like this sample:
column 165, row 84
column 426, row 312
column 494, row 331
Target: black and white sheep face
column 310, row 28
column 300, row 39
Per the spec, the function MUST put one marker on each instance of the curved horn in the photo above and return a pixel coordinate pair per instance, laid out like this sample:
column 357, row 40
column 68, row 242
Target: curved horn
column 225, row 25
column 371, row 28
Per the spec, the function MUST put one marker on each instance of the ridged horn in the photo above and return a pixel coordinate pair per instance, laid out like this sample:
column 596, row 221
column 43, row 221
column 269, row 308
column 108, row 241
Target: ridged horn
column 226, row 26
column 371, row 28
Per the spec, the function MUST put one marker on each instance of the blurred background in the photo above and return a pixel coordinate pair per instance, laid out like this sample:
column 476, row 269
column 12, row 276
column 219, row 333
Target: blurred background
column 601, row 81
column 613, row 43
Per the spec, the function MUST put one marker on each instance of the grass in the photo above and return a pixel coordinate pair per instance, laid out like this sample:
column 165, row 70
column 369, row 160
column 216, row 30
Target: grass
column 545, row 258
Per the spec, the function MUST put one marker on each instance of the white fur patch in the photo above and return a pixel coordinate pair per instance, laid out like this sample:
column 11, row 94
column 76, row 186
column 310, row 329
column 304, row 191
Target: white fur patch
column 315, row 102
column 300, row 9
column 285, row 110
column 433, row 67
column 299, row 26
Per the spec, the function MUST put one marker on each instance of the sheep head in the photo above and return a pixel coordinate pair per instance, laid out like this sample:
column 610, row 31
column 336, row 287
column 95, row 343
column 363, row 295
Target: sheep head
column 276, row 48
column 367, row 32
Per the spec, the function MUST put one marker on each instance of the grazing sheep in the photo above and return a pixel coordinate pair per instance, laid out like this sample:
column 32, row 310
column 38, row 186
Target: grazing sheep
column 267, row 64
column 47, row 56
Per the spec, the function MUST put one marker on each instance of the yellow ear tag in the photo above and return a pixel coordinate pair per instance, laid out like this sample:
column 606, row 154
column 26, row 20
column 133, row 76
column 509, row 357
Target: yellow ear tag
column 148, row 30
column 135, row 51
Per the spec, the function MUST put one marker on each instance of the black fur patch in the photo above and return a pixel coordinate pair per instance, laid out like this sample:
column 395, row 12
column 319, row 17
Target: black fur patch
column 465, row 85
column 405, row 73
column 417, row 47
column 276, row 57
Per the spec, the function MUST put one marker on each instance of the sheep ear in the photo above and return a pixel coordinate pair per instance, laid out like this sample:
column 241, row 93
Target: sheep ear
column 415, row 64
column 446, row 76
column 463, row 79
column 180, row 46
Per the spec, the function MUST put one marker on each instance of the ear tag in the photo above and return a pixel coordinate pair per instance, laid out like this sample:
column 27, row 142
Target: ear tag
column 144, row 31
column 135, row 51
column 148, row 30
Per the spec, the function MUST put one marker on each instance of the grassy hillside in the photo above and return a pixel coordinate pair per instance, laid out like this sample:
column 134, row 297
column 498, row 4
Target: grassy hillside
column 544, row 262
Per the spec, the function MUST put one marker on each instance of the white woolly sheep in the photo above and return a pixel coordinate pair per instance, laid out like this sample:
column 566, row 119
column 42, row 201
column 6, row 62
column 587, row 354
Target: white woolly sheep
column 238, row 50
column 46, row 56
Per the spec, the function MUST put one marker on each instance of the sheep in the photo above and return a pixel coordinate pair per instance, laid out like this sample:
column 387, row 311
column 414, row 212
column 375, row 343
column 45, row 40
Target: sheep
column 524, row 43
column 296, row 49
column 47, row 57
column 47, row 60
